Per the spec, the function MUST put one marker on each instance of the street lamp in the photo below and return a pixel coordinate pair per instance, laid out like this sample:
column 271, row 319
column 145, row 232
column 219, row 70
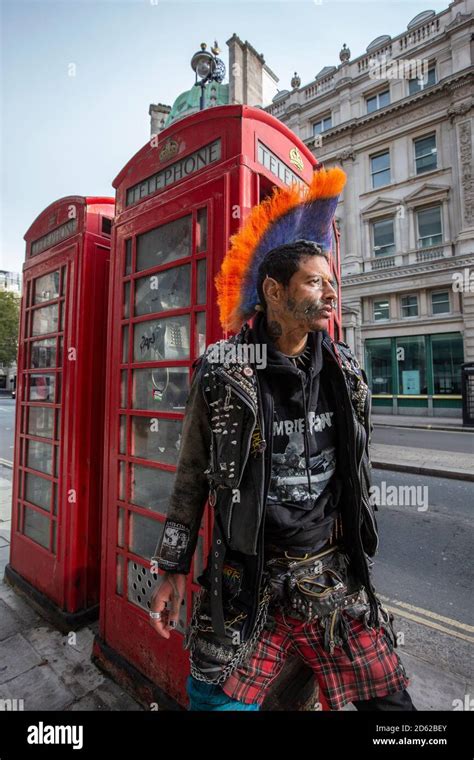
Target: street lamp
column 207, row 67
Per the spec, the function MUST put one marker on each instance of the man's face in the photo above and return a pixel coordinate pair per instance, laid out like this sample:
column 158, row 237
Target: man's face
column 310, row 294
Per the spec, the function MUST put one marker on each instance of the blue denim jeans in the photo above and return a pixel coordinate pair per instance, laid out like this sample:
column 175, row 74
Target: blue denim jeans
column 205, row 696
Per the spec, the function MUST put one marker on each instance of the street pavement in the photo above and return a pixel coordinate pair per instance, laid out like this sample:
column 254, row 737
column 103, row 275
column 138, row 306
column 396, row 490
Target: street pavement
column 51, row 671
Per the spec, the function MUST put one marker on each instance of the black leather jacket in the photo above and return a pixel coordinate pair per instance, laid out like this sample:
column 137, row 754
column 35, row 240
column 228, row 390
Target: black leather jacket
column 225, row 457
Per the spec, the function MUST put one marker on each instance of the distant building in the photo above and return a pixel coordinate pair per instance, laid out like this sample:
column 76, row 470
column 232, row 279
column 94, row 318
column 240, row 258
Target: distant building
column 399, row 120
column 11, row 282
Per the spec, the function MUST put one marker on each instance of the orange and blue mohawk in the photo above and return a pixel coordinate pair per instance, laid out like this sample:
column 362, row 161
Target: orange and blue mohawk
column 289, row 214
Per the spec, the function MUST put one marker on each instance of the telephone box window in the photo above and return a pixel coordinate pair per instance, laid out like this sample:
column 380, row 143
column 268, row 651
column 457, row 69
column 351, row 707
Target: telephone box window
column 45, row 320
column 128, row 256
column 42, row 388
column 143, row 537
column 126, row 300
column 39, row 456
column 36, row 527
column 38, row 491
column 161, row 339
column 156, row 439
column 163, row 244
column 43, row 353
column 200, row 345
column 151, row 488
column 201, row 230
column 125, row 344
column 201, row 271
column 40, row 421
column 47, row 287
column 162, row 291
column 122, row 480
column 123, row 389
column 163, row 389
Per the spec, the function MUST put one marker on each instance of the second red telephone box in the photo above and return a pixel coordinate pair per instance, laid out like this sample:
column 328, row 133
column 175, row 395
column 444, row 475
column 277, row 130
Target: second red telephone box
column 57, row 476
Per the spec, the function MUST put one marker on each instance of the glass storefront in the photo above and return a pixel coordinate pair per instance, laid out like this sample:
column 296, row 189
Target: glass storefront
column 415, row 365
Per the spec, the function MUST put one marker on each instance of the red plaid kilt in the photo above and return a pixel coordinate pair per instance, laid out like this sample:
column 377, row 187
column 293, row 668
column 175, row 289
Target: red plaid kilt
column 375, row 671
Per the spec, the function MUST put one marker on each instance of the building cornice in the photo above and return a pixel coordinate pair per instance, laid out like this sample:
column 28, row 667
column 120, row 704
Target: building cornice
column 451, row 263
column 449, row 84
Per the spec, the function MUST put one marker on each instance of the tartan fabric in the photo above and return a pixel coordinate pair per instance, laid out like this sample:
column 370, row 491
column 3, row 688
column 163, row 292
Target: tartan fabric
column 375, row 671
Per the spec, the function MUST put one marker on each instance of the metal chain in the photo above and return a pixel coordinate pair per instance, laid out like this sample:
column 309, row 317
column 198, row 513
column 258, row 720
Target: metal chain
column 242, row 652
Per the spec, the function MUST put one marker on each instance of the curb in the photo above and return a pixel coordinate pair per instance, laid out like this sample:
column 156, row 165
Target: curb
column 420, row 470
column 450, row 429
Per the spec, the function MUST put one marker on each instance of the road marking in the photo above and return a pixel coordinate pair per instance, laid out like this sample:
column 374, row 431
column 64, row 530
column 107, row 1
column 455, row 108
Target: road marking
column 430, row 624
column 428, row 613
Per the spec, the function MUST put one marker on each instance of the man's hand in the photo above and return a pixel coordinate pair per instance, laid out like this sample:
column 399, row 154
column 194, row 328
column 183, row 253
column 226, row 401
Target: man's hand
column 172, row 591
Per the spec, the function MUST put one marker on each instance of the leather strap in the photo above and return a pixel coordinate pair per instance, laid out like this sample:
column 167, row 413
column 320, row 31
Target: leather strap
column 217, row 565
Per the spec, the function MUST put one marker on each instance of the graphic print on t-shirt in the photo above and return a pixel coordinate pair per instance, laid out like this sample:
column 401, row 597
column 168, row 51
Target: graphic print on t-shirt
column 289, row 480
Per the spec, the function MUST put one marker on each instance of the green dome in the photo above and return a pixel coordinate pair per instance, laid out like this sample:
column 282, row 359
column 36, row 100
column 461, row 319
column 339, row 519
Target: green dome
column 215, row 94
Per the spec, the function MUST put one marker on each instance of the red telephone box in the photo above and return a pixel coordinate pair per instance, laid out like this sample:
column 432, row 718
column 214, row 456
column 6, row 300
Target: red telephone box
column 178, row 201
column 57, row 477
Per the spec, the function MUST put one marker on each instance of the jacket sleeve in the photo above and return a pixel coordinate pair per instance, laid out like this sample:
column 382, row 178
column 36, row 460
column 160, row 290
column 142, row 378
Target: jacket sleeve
column 191, row 487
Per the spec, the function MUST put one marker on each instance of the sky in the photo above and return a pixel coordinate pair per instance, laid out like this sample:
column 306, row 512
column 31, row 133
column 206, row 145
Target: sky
column 77, row 78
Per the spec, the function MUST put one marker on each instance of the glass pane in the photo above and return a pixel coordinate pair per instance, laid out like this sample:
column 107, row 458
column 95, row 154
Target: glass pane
column 156, row 439
column 123, row 434
column 201, row 270
column 409, row 306
column 144, row 533
column 62, row 311
column 170, row 289
column 40, row 421
column 163, row 389
column 384, row 99
column 371, row 106
column 124, row 389
column 58, row 387
column 122, row 481
column 379, row 364
column 201, row 230
column 162, row 339
column 448, row 356
column 125, row 344
column 126, row 300
column 38, row 490
column 383, row 237
column 54, row 541
column 429, row 223
column 381, row 310
column 37, row 527
column 60, row 351
column 121, row 528
column 380, row 162
column 63, row 280
column 43, row 353
column 411, row 365
column 163, row 244
column 200, row 344
column 42, row 387
column 128, row 256
column 58, row 424
column 46, row 287
column 56, row 461
column 440, row 302
column 45, row 320
column 39, row 456
column 55, row 498
column 151, row 488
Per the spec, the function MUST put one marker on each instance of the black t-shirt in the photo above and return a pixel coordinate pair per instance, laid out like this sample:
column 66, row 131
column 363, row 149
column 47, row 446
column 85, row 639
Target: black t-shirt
column 299, row 514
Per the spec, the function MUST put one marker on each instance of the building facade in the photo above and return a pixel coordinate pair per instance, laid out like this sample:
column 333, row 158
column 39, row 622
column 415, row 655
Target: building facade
column 9, row 282
column 399, row 119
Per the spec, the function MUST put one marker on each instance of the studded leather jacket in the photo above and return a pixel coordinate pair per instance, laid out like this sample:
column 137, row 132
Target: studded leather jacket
column 224, row 460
